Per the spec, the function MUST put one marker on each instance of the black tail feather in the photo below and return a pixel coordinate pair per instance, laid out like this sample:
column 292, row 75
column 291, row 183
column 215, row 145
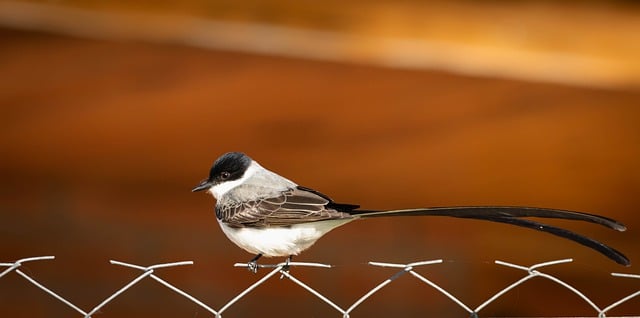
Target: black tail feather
column 514, row 215
column 608, row 251
column 497, row 211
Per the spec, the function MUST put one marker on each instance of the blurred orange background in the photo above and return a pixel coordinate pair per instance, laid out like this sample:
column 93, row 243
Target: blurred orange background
column 111, row 113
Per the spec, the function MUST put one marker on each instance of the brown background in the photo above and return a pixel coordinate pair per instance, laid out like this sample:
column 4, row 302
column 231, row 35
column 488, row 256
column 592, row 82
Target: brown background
column 102, row 141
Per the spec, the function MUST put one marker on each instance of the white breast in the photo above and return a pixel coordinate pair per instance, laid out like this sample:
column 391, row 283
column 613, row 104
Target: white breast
column 280, row 241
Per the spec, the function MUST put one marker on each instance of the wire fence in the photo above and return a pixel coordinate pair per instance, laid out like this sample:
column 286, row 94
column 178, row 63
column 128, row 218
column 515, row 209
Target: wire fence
column 529, row 272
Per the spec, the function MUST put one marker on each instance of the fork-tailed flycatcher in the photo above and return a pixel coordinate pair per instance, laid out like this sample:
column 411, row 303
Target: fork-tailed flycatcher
column 269, row 215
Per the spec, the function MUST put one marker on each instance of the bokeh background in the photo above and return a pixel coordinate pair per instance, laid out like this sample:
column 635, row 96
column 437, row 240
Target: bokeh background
column 112, row 112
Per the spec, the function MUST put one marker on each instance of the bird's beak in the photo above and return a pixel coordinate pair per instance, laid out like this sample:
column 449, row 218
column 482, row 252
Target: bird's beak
column 204, row 185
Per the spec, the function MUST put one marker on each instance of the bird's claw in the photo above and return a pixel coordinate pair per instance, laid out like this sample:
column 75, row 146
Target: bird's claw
column 252, row 266
column 285, row 268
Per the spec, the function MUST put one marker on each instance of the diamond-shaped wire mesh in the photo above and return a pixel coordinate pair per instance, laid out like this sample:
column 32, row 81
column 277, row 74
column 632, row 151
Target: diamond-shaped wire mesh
column 529, row 272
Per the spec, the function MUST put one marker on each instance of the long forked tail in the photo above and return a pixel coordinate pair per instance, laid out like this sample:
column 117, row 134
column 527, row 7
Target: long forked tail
column 514, row 216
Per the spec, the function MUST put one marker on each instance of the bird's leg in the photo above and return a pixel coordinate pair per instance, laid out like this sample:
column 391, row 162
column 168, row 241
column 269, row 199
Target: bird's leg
column 252, row 266
column 286, row 267
column 286, row 263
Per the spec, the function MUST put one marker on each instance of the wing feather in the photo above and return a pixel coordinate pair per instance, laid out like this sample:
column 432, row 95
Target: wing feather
column 293, row 206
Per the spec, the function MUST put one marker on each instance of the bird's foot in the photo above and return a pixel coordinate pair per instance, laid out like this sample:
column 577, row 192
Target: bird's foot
column 285, row 268
column 252, row 265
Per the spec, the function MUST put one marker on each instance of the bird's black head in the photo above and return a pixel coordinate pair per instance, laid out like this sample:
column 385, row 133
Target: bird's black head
column 228, row 167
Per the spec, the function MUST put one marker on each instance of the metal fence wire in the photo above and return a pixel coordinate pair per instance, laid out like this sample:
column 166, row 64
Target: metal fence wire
column 529, row 272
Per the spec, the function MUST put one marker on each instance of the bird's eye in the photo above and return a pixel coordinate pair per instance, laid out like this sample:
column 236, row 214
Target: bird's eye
column 225, row 175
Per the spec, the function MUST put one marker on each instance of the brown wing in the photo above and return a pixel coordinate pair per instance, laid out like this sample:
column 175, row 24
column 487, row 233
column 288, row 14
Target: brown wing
column 294, row 206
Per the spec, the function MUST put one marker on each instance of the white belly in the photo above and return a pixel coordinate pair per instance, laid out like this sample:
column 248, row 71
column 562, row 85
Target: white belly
column 280, row 241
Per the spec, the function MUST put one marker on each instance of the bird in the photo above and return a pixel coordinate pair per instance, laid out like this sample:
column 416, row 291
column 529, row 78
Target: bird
column 269, row 215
